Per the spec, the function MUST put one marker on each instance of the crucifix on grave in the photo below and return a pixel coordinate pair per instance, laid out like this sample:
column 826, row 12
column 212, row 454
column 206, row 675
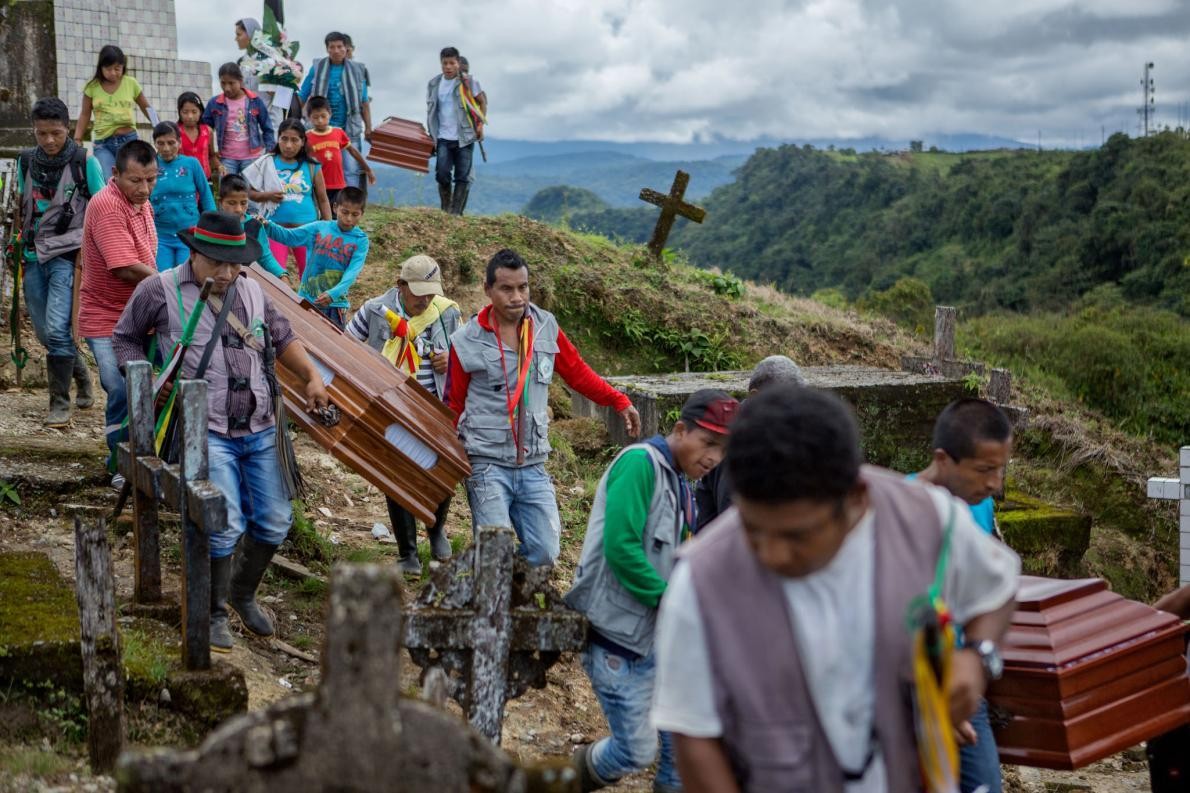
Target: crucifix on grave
column 1178, row 489
column 944, row 363
column 672, row 205
column 493, row 624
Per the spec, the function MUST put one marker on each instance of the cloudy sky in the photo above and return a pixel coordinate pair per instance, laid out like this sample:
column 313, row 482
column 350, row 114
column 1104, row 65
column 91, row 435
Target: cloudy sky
column 683, row 70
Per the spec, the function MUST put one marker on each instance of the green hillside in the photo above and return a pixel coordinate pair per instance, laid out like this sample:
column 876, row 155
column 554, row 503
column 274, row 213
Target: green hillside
column 1014, row 230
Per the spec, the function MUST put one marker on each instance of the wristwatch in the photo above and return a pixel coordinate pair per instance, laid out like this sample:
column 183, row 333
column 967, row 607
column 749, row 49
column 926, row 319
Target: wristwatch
column 989, row 657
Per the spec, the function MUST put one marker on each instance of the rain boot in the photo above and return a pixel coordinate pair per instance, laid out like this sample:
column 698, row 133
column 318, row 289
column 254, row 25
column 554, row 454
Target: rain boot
column 444, row 196
column 588, row 780
column 251, row 560
column 405, row 529
column 440, row 548
column 83, row 397
column 221, row 641
column 58, row 369
column 458, row 201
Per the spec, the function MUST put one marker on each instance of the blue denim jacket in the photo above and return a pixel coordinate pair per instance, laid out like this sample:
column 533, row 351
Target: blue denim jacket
column 260, row 128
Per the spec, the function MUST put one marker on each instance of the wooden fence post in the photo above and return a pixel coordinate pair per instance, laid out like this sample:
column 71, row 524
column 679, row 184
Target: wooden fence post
column 103, row 675
column 196, row 544
column 147, row 586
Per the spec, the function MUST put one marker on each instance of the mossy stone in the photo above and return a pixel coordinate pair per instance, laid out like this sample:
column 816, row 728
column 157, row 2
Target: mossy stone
column 39, row 622
column 1050, row 540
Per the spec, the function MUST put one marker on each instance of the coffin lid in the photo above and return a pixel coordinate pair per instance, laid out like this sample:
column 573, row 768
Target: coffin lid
column 1061, row 623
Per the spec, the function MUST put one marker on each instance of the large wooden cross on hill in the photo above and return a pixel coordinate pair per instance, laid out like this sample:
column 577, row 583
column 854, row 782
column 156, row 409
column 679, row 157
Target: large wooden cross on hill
column 671, row 205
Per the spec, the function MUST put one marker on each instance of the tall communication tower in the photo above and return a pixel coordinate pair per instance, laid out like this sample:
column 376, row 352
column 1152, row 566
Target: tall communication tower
column 1148, row 107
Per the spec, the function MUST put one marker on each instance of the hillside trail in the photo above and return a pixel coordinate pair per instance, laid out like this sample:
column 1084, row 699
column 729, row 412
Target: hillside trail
column 342, row 508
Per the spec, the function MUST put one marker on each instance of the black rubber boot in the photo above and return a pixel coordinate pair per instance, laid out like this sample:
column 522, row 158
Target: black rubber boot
column 58, row 369
column 440, row 549
column 251, row 560
column 586, row 775
column 221, row 641
column 458, row 201
column 84, row 397
column 444, row 196
column 405, row 530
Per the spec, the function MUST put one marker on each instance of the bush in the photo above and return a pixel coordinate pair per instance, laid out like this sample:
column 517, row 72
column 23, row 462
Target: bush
column 908, row 302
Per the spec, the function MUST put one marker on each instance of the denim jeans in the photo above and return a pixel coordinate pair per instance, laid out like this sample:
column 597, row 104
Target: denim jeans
column 453, row 157
column 624, row 689
column 245, row 469
column 106, row 150
column 351, row 169
column 48, row 295
column 522, row 498
column 112, row 381
column 236, row 166
column 171, row 251
column 980, row 764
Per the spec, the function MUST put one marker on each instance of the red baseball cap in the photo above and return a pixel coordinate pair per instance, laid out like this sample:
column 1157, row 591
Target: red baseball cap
column 711, row 409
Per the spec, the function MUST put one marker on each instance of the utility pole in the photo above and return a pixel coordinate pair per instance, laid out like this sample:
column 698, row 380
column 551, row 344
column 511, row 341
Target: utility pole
column 1148, row 107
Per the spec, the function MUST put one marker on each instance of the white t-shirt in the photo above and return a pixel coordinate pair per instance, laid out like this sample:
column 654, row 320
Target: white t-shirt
column 448, row 109
column 835, row 640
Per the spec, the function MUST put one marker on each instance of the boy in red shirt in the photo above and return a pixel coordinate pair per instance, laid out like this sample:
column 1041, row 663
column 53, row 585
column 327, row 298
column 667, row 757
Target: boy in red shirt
column 326, row 145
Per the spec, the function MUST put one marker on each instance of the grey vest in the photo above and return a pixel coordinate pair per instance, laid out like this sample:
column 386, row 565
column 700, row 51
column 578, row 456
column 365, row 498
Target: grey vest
column 219, row 374
column 467, row 134
column 770, row 729
column 379, row 331
column 48, row 244
column 610, row 608
column 484, row 427
column 354, row 78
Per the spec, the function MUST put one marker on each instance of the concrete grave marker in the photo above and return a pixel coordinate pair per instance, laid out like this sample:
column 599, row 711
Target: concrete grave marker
column 1178, row 489
column 672, row 205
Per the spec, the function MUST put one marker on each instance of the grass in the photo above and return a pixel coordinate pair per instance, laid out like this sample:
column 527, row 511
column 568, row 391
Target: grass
column 27, row 761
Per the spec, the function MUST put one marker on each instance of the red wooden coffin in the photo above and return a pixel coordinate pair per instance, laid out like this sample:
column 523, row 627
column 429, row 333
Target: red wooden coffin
column 391, row 431
column 1087, row 674
column 402, row 143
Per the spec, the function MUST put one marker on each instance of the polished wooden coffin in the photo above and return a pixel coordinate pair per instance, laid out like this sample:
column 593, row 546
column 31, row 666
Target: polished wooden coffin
column 402, row 143
column 1087, row 674
column 390, row 431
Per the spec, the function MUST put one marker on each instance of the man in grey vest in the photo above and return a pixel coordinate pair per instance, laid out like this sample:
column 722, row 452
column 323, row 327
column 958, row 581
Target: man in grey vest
column 783, row 656
column 243, row 437
column 344, row 82
column 455, row 127
column 643, row 510
column 55, row 179
column 498, row 383
column 429, row 320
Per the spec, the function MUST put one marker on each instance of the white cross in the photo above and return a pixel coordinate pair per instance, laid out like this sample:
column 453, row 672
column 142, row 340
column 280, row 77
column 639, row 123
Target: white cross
column 1171, row 489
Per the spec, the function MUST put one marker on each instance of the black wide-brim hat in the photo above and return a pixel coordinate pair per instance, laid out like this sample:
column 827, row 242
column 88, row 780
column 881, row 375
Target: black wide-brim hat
column 220, row 236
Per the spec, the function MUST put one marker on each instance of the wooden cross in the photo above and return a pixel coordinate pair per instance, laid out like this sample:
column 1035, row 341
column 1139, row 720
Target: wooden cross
column 493, row 624
column 355, row 732
column 943, row 362
column 1178, row 489
column 671, row 205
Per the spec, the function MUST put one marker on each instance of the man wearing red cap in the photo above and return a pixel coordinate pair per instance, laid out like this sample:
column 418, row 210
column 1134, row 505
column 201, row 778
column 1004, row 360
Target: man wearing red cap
column 644, row 508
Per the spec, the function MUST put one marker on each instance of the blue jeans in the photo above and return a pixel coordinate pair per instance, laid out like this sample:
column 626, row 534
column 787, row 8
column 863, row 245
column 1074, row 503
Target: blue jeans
column 171, row 251
column 453, row 157
column 624, row 689
column 522, row 498
column 351, row 169
column 112, row 380
column 48, row 294
column 980, row 764
column 236, row 166
column 107, row 149
column 245, row 470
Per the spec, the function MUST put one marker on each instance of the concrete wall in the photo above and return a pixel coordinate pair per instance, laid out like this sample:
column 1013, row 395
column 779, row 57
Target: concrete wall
column 27, row 68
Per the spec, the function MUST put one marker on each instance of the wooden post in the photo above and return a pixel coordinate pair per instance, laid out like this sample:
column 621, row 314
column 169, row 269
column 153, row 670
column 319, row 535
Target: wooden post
column 147, row 586
column 945, row 322
column 103, row 675
column 491, row 635
column 196, row 545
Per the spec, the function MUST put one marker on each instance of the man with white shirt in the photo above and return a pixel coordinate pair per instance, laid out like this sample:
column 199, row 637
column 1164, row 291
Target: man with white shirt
column 783, row 657
column 455, row 110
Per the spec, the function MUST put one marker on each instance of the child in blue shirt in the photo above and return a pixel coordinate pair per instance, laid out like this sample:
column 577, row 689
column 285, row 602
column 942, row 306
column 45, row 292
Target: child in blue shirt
column 233, row 199
column 337, row 251
column 180, row 194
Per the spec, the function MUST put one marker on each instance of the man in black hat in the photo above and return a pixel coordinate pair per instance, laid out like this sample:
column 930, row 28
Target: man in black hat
column 243, row 439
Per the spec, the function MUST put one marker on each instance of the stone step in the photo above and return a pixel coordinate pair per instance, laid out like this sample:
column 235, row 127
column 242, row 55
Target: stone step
column 896, row 410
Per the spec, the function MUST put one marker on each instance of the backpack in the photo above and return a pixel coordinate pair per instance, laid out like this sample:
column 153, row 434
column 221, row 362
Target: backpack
column 65, row 233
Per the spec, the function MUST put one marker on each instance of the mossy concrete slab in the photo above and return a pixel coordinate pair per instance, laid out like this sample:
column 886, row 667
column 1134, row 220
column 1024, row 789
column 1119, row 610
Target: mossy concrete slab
column 39, row 623
column 1050, row 540
column 50, row 465
column 896, row 410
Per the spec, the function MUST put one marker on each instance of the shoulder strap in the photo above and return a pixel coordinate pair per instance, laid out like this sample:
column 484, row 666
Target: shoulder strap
column 78, row 171
column 25, row 160
column 217, row 331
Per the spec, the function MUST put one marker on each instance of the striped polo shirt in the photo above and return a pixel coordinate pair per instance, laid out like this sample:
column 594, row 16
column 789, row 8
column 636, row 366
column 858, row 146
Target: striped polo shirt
column 115, row 234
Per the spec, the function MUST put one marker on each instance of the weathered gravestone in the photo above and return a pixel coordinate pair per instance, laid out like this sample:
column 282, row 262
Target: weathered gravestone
column 355, row 733
column 943, row 361
column 494, row 624
column 672, row 205
column 1177, row 489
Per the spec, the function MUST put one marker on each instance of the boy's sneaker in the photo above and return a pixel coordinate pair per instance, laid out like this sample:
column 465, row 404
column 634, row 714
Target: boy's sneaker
column 118, row 481
column 410, row 565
